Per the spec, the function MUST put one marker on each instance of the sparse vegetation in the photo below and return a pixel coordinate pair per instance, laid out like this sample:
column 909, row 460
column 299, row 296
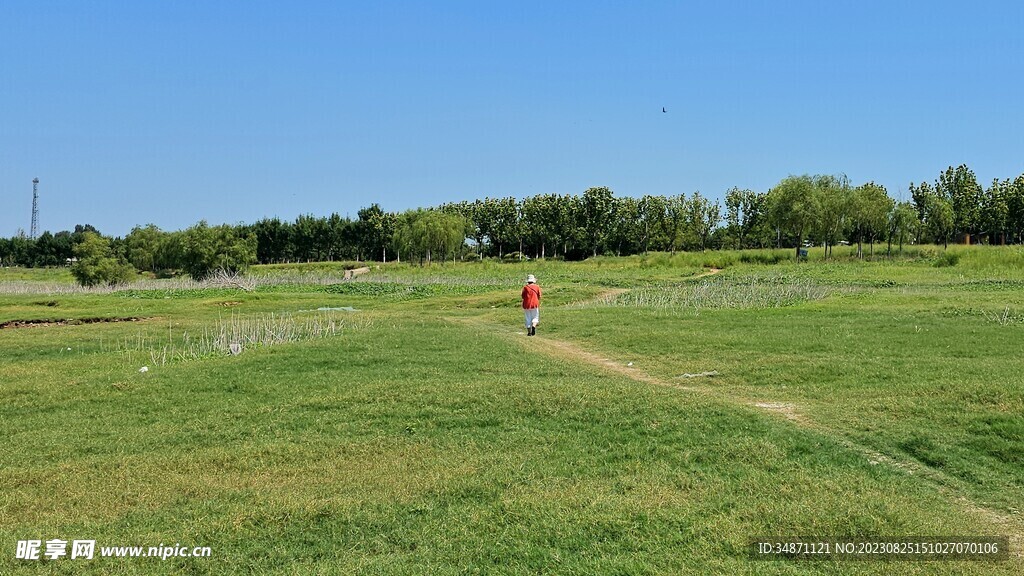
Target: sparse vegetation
column 233, row 336
column 710, row 294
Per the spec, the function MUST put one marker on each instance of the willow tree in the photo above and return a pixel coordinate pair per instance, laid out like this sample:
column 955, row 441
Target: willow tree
column 427, row 234
column 704, row 217
column 836, row 202
column 902, row 220
column 206, row 249
column 869, row 214
column 97, row 264
column 794, row 206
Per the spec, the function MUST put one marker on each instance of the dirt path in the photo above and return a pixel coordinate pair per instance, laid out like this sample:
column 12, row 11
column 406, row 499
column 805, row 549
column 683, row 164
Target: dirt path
column 562, row 350
column 565, row 350
column 601, row 297
column 1013, row 526
column 610, row 293
column 710, row 272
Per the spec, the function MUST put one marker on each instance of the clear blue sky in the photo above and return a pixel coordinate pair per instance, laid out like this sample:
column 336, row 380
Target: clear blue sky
column 134, row 112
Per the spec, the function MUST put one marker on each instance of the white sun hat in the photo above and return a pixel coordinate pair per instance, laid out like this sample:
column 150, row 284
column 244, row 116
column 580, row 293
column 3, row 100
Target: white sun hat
column 530, row 279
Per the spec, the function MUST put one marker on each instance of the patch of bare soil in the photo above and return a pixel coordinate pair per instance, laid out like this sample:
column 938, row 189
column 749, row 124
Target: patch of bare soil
column 1010, row 524
column 710, row 272
column 562, row 349
column 350, row 274
column 610, row 293
column 786, row 410
column 67, row 322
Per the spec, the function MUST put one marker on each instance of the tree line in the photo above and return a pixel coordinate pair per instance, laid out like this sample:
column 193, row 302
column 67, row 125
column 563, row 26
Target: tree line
column 801, row 210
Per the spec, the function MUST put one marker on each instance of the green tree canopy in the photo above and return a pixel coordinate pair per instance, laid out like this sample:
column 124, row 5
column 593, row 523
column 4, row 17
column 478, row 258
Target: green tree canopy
column 795, row 206
column 96, row 263
column 207, row 249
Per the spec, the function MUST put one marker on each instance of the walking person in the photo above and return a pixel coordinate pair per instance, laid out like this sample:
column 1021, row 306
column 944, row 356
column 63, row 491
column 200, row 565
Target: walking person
column 531, row 305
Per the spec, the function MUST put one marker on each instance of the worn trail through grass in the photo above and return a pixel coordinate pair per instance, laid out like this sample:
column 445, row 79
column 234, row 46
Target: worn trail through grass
column 564, row 350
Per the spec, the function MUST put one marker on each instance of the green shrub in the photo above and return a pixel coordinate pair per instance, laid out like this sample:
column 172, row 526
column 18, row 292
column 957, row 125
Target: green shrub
column 718, row 259
column 765, row 256
column 947, row 259
column 208, row 249
column 97, row 265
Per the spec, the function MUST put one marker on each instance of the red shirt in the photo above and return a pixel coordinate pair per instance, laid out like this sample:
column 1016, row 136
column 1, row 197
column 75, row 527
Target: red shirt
column 531, row 296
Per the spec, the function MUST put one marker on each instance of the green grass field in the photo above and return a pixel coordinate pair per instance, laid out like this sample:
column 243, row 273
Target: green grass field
column 424, row 433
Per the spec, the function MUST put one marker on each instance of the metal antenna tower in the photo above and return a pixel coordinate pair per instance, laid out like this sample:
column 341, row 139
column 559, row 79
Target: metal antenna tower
column 35, row 209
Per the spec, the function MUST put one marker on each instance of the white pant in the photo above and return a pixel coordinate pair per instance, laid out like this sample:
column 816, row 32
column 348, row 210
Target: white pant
column 532, row 317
